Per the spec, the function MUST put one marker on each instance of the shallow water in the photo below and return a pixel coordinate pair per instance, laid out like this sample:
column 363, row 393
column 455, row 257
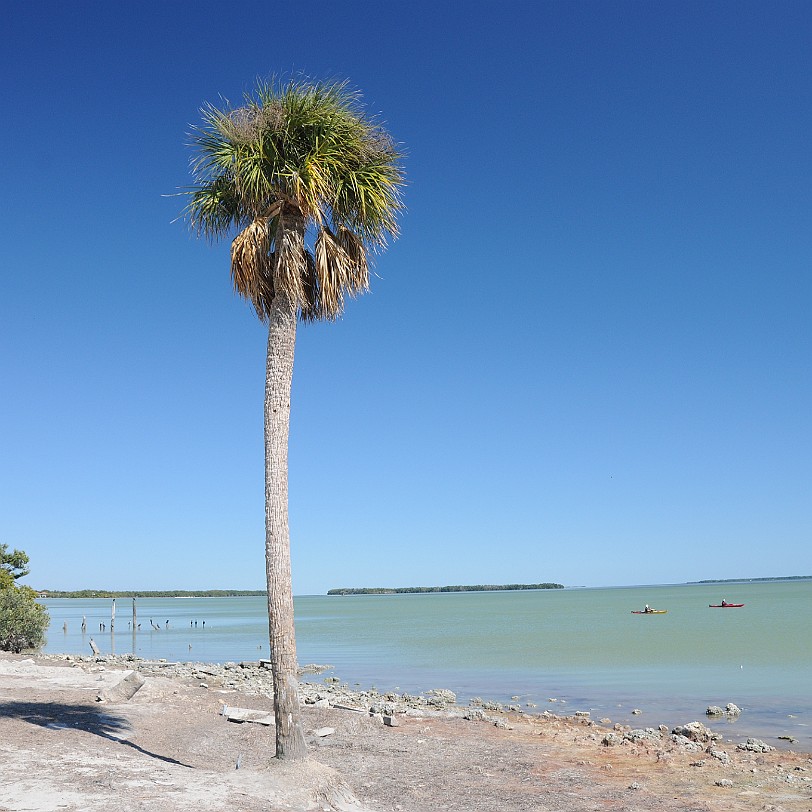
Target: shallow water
column 581, row 647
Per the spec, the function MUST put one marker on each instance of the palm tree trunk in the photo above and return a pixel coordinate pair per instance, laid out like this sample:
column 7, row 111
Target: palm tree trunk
column 290, row 742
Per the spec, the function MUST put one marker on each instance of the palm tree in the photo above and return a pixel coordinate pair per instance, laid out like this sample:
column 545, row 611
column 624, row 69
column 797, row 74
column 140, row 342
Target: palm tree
column 309, row 186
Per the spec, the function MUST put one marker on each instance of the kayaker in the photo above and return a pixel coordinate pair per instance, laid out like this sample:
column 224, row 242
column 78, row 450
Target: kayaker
column 724, row 602
column 647, row 610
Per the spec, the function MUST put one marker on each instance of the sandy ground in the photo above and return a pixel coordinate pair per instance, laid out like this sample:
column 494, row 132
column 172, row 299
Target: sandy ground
column 169, row 748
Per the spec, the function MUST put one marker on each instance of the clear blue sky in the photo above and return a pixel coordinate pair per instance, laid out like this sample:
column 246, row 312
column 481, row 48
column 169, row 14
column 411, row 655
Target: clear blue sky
column 587, row 359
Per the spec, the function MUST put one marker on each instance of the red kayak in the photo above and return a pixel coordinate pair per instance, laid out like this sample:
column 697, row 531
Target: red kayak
column 725, row 605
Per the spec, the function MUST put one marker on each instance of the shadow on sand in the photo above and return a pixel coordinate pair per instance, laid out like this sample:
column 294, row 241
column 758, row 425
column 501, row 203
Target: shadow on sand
column 89, row 718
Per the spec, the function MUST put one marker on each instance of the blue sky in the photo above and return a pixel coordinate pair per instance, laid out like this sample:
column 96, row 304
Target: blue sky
column 586, row 360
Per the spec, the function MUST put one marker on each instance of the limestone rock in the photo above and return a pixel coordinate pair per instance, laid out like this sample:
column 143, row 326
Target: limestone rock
column 755, row 746
column 123, row 690
column 696, row 731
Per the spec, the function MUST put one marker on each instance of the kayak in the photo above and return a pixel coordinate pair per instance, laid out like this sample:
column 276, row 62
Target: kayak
column 725, row 605
column 650, row 612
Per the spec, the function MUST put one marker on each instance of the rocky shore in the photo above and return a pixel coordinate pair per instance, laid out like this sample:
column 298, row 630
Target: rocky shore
column 164, row 731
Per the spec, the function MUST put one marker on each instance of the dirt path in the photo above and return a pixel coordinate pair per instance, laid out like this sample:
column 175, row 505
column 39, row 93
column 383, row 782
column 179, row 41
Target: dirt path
column 169, row 748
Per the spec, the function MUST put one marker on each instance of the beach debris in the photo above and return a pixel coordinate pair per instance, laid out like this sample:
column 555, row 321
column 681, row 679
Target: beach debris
column 123, row 690
column 241, row 715
column 339, row 706
column 755, row 746
column 789, row 739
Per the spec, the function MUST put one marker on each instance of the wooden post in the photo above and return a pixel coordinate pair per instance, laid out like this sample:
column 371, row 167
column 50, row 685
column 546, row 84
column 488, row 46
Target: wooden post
column 94, row 648
column 113, row 617
column 134, row 615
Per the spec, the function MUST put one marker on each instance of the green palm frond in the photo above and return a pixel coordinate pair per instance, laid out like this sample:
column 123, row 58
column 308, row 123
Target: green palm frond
column 296, row 153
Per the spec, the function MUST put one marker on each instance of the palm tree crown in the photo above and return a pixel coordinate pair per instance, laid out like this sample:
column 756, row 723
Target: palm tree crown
column 296, row 158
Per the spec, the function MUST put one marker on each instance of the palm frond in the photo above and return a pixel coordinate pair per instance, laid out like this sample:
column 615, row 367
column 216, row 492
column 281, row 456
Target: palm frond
column 296, row 153
column 252, row 263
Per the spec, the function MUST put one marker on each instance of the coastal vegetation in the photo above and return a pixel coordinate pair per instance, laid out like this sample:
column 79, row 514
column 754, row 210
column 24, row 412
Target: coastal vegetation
column 459, row 588
column 753, row 580
column 307, row 185
column 23, row 621
column 174, row 593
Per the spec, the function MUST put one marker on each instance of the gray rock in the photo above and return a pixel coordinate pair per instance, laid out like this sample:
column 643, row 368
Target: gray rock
column 755, row 746
column 445, row 696
column 686, row 744
column 696, row 731
column 639, row 735
column 714, row 710
column 724, row 782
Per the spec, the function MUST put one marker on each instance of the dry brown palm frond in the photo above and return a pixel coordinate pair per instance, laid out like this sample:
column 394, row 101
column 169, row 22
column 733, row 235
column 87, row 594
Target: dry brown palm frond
column 356, row 251
column 252, row 264
column 338, row 272
column 290, row 265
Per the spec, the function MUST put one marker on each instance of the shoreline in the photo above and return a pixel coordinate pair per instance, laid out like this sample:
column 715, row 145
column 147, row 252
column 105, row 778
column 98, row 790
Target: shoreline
column 197, row 738
column 252, row 678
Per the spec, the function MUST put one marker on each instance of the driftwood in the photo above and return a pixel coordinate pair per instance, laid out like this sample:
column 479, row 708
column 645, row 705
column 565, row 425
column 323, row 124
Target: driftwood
column 94, row 648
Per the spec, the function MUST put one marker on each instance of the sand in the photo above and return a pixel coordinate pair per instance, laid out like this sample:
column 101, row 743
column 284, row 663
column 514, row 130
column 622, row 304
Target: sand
column 169, row 747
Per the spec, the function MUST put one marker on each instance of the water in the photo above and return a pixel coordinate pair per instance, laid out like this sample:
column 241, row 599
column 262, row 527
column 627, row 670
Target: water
column 581, row 647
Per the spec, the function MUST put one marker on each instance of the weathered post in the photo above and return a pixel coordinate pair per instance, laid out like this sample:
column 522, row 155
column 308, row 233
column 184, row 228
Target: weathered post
column 113, row 617
column 134, row 625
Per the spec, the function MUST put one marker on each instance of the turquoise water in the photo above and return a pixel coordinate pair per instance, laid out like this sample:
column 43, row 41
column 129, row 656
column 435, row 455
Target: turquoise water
column 582, row 647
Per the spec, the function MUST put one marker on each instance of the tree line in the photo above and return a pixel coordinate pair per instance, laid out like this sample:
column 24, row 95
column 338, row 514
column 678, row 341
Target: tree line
column 455, row 588
column 174, row 593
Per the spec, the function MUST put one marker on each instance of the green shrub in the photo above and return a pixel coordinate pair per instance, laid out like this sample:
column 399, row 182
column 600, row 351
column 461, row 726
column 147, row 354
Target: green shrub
column 23, row 621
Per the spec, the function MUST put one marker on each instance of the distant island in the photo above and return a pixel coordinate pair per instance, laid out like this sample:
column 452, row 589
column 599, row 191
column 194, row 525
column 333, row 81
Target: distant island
column 460, row 588
column 174, row 593
column 752, row 580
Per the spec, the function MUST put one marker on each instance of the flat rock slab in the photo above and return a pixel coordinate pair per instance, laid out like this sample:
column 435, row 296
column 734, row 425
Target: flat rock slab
column 259, row 717
column 56, row 678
